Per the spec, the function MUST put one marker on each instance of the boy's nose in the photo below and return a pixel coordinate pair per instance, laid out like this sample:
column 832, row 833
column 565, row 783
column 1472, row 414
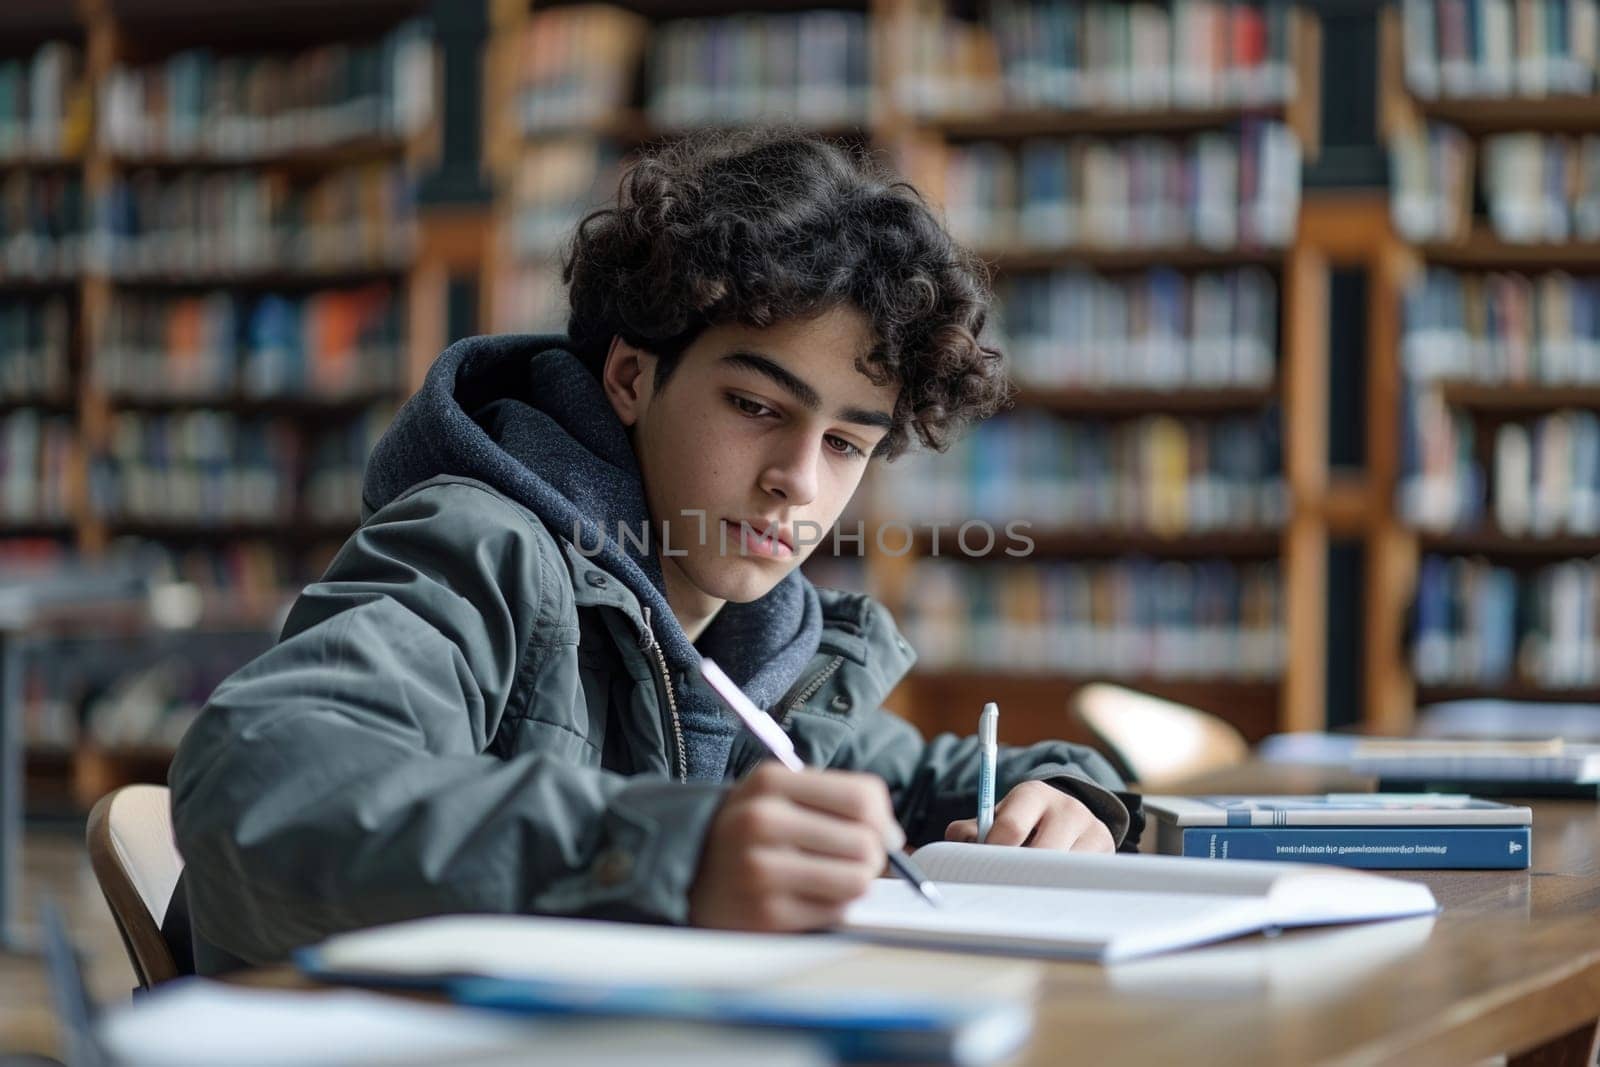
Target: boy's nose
column 792, row 477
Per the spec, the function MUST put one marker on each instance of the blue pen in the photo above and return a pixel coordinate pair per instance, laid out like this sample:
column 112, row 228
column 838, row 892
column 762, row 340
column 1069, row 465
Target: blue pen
column 988, row 734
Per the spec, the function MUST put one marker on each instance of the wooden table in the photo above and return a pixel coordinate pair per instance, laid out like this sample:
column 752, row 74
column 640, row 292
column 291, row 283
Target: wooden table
column 1512, row 965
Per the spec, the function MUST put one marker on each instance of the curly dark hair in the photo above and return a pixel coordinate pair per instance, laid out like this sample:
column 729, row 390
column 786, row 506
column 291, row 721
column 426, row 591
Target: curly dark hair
column 763, row 226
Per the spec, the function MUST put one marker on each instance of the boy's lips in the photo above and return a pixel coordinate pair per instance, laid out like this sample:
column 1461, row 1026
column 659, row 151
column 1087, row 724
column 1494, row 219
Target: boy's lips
column 753, row 536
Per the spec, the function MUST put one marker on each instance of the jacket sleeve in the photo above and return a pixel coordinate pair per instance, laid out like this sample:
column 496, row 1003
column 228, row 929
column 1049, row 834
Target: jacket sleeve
column 935, row 782
column 343, row 778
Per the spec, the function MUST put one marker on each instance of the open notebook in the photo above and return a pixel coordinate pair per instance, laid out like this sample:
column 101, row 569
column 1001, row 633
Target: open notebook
column 1115, row 907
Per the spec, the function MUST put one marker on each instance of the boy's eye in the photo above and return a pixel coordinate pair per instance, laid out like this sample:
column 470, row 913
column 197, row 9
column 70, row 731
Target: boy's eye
column 843, row 447
column 748, row 406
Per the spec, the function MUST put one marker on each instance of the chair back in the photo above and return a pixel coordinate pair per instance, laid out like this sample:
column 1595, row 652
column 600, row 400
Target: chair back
column 136, row 862
column 1156, row 742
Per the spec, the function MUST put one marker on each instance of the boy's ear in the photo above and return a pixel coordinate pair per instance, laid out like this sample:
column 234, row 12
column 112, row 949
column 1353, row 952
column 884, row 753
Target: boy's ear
column 628, row 378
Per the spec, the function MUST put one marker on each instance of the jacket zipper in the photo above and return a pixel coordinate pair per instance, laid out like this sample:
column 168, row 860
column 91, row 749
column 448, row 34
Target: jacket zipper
column 817, row 681
column 651, row 645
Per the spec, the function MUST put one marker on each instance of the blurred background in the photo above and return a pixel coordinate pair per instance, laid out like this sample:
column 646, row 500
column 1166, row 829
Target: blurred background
column 1302, row 300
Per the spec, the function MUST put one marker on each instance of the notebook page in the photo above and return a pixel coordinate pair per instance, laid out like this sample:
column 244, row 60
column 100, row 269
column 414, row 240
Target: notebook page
column 953, row 861
column 1054, row 922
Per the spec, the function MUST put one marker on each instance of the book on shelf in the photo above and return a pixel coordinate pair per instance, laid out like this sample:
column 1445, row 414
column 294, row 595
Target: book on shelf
column 1132, row 618
column 1215, row 190
column 1032, row 55
column 44, row 104
column 1500, row 48
column 1170, row 476
column 198, row 103
column 810, row 67
column 220, row 345
column 336, row 462
column 36, row 453
column 576, row 67
column 1160, row 329
column 34, row 338
column 1431, row 182
column 153, row 224
column 1389, row 831
column 1478, row 624
column 198, row 467
column 1502, row 328
column 41, row 224
column 556, row 182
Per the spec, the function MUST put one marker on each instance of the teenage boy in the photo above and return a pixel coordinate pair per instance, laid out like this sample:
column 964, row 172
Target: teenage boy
column 490, row 702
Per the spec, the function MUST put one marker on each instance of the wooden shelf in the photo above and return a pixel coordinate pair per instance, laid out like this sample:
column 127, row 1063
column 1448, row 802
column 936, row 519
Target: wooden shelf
column 1484, row 250
column 31, row 162
column 1128, row 259
column 306, row 407
column 276, row 278
column 631, row 127
column 1555, row 114
column 1077, row 400
column 299, row 531
column 1429, row 694
column 50, row 405
column 1493, row 542
column 1114, row 542
column 1065, row 122
column 10, row 528
column 308, row 158
column 1518, row 398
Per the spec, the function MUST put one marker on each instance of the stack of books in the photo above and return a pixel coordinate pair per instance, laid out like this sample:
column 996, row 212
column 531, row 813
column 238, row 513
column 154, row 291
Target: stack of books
column 1216, row 190
column 332, row 343
column 1160, row 474
column 576, row 67
column 41, row 224
column 1502, row 328
column 1391, row 831
column 44, row 105
column 34, row 335
column 1130, row 619
column 1478, row 624
column 199, row 103
column 1036, row 54
column 1499, row 48
column 250, row 221
column 35, row 456
column 811, row 67
column 1158, row 330
column 199, row 467
column 1545, row 767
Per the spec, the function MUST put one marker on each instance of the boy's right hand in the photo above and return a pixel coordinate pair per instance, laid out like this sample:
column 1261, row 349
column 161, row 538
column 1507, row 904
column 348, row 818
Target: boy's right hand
column 789, row 850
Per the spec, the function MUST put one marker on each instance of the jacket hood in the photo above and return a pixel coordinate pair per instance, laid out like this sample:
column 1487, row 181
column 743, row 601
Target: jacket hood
column 521, row 414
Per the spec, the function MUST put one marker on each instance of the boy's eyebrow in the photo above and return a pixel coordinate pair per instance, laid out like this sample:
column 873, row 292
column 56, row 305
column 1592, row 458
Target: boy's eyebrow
column 803, row 392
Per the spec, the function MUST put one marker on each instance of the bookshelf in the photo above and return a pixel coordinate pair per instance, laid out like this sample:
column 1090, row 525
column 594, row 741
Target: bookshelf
column 947, row 93
column 228, row 234
column 1497, row 429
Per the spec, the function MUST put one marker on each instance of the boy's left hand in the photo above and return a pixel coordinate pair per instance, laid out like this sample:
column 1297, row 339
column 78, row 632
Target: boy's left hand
column 1038, row 815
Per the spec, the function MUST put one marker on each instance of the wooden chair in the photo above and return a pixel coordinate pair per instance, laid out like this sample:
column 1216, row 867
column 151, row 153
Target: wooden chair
column 137, row 865
column 1156, row 742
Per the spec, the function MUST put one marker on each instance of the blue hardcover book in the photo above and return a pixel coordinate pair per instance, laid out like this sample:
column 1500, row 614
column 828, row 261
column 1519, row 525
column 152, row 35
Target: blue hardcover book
column 1373, row 830
column 1370, row 847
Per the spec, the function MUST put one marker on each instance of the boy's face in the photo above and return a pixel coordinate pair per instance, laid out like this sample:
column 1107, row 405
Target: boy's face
column 761, row 427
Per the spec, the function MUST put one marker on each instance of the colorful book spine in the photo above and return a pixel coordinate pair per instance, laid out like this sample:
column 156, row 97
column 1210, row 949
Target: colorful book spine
column 238, row 107
column 1033, row 55
column 556, row 183
column 330, row 344
column 1369, row 847
column 44, row 106
column 576, row 66
column 35, row 455
column 34, row 341
column 1500, row 48
column 1218, row 190
column 1131, row 618
column 1159, row 330
column 200, row 467
column 153, row 225
column 809, row 67
column 42, row 222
